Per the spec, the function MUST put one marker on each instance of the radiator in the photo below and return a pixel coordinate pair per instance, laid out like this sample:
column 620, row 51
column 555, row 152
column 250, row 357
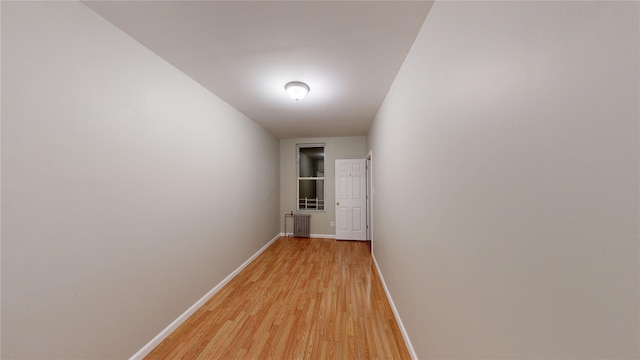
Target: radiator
column 301, row 225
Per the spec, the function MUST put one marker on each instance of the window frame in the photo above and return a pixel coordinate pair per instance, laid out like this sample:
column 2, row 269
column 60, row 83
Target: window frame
column 298, row 178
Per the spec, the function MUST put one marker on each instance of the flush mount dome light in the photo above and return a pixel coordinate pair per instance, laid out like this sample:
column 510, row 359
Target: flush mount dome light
column 297, row 89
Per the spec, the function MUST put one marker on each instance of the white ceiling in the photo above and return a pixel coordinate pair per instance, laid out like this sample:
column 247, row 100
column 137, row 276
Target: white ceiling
column 348, row 52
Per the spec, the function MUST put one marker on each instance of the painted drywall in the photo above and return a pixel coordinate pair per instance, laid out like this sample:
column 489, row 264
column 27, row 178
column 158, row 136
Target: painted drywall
column 128, row 190
column 506, row 175
column 348, row 147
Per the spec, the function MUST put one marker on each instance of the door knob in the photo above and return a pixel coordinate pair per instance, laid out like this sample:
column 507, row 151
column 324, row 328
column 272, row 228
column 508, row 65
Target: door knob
column 337, row 204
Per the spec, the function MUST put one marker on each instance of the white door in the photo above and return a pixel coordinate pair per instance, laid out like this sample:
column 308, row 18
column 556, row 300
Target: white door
column 351, row 211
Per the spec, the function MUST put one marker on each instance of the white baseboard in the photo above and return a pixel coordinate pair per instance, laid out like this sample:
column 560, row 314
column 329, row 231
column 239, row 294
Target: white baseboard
column 320, row 236
column 145, row 350
column 323, row 236
column 405, row 336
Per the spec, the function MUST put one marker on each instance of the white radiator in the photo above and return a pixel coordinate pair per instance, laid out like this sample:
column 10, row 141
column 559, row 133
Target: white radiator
column 302, row 225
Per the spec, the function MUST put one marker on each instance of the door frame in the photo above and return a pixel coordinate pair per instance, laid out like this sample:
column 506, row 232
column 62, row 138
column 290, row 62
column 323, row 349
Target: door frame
column 369, row 203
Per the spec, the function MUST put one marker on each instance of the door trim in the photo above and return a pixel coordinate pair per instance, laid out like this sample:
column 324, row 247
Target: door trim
column 368, row 160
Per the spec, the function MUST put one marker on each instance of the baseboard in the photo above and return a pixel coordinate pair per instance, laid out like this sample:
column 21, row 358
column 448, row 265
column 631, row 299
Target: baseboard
column 405, row 336
column 145, row 350
column 323, row 236
column 319, row 236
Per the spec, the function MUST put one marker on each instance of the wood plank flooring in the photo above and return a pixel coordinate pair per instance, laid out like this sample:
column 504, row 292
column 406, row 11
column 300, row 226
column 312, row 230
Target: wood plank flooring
column 300, row 299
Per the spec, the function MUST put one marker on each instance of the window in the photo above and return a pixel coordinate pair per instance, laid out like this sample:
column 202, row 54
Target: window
column 310, row 176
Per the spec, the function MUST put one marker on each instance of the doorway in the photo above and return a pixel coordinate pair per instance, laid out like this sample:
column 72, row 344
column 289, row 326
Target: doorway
column 350, row 196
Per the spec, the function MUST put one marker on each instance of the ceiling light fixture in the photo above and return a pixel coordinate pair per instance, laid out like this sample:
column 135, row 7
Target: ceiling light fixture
column 297, row 89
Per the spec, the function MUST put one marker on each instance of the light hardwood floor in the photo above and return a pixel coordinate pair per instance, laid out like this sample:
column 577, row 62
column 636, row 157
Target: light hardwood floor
column 300, row 299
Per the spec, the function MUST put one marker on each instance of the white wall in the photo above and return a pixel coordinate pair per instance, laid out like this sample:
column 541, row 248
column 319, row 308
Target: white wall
column 506, row 168
column 348, row 147
column 125, row 187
